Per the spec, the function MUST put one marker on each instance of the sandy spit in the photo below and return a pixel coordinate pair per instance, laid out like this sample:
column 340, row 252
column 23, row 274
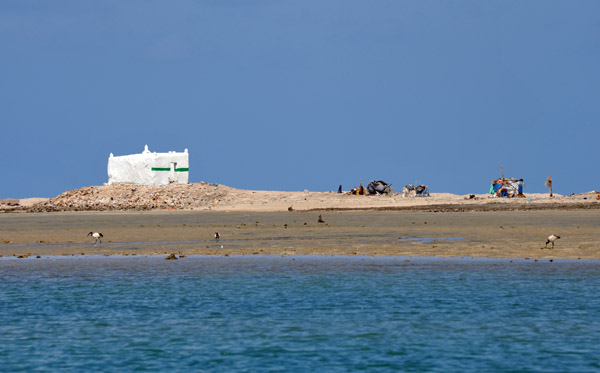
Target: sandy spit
column 183, row 219
column 212, row 197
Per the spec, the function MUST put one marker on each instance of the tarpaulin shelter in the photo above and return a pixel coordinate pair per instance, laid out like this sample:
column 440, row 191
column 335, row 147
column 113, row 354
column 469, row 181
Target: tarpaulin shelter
column 507, row 187
column 379, row 187
column 416, row 190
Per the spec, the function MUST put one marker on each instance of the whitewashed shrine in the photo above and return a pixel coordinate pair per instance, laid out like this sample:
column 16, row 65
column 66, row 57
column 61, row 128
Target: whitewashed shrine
column 149, row 168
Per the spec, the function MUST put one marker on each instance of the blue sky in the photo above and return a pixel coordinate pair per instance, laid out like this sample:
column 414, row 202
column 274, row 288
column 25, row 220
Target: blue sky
column 294, row 95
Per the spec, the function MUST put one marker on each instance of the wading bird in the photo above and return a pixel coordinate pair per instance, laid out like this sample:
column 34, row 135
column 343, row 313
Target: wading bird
column 97, row 236
column 552, row 238
column 217, row 236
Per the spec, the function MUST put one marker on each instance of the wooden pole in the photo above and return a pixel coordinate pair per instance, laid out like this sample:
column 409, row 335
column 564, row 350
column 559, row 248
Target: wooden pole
column 549, row 184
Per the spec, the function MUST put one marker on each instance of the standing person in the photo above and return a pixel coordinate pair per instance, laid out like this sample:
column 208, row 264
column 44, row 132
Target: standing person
column 549, row 184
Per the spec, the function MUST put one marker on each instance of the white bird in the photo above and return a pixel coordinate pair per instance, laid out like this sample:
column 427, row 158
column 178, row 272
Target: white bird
column 552, row 238
column 96, row 235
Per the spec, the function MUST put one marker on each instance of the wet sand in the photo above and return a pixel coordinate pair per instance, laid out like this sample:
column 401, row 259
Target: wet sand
column 503, row 234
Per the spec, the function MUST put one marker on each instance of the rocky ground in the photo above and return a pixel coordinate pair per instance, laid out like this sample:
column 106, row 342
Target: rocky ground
column 205, row 196
column 129, row 197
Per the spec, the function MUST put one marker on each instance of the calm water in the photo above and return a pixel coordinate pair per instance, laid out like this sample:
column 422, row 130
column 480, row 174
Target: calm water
column 298, row 314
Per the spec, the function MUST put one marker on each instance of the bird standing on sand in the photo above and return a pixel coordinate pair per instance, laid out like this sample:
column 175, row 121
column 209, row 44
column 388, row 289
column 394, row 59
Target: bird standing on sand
column 217, row 236
column 321, row 219
column 552, row 238
column 96, row 235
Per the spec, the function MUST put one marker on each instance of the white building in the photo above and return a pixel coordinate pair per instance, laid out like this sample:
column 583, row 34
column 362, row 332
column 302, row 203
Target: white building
column 149, row 168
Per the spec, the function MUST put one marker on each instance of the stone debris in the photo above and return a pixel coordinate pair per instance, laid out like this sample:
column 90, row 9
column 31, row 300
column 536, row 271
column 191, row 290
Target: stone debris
column 136, row 197
column 9, row 202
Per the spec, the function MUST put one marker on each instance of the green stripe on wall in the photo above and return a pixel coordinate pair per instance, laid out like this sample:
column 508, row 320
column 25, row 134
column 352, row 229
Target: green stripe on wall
column 183, row 169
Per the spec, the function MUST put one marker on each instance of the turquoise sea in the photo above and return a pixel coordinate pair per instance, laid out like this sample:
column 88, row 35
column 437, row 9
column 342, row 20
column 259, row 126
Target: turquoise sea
column 302, row 313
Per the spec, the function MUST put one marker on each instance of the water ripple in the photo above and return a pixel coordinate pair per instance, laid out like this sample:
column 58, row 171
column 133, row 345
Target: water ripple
column 299, row 314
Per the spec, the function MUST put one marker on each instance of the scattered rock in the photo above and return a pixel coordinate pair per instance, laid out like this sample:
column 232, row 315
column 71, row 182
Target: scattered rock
column 10, row 202
column 140, row 197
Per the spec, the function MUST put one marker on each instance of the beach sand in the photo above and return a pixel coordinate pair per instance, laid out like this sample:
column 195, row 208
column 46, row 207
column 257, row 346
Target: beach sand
column 505, row 233
column 212, row 197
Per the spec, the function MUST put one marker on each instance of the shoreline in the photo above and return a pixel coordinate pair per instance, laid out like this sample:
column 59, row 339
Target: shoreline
column 324, row 257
